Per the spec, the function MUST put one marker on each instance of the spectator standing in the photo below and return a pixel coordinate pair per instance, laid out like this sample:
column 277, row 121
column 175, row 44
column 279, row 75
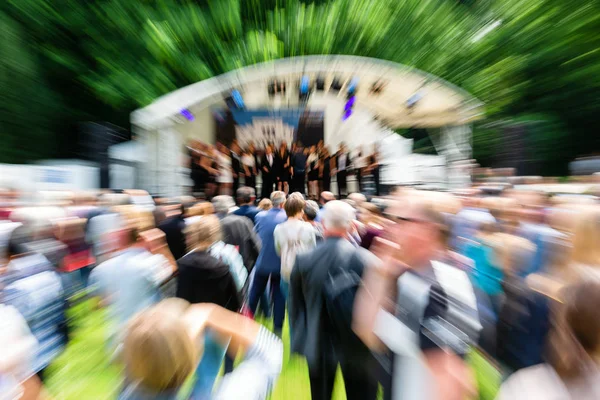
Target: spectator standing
column 293, row 237
column 268, row 264
column 416, row 242
column 203, row 277
column 163, row 345
column 246, row 197
column 173, row 226
column 237, row 231
column 128, row 283
column 324, row 198
column 573, row 370
column 311, row 210
column 309, row 320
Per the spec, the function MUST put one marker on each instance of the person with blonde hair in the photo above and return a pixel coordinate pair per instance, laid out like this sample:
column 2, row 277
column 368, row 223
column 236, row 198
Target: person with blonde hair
column 164, row 344
column 265, row 205
column 586, row 242
column 202, row 276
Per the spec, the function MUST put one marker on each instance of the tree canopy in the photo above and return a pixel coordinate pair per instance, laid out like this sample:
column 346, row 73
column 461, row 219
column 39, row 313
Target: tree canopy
column 74, row 60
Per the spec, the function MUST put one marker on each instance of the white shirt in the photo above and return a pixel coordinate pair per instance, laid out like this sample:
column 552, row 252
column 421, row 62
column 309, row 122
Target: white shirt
column 270, row 159
column 248, row 160
column 342, row 162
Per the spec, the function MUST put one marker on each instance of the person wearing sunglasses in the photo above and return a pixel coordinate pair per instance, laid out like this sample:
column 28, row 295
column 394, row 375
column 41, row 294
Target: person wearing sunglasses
column 407, row 264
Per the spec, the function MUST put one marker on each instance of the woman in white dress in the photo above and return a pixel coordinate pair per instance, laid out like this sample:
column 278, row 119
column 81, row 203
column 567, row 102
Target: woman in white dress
column 225, row 177
column 249, row 169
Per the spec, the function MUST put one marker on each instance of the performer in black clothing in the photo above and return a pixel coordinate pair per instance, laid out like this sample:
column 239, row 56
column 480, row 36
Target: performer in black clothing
column 267, row 166
column 299, row 170
column 326, row 171
column 282, row 169
column 257, row 162
column 236, row 164
column 374, row 166
column 342, row 162
column 312, row 167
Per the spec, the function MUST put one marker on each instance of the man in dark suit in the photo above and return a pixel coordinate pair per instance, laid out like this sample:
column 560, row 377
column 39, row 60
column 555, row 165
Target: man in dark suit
column 311, row 332
column 236, row 164
column 237, row 231
column 268, row 178
column 342, row 163
column 246, row 197
column 173, row 226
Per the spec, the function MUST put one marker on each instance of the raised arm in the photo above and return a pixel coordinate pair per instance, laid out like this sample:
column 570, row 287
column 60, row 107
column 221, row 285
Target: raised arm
column 376, row 292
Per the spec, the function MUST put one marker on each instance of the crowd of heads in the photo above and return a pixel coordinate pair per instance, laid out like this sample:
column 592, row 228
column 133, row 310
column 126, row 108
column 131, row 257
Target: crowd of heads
column 546, row 246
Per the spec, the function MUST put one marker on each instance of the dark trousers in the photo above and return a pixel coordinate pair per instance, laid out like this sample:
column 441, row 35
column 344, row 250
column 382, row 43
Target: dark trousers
column 376, row 179
column 298, row 184
column 357, row 380
column 359, row 180
column 235, row 186
column 250, row 182
column 341, row 182
column 228, row 364
column 267, row 187
column 258, row 288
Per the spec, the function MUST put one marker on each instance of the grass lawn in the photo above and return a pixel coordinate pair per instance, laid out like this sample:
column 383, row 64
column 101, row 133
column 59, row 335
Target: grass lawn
column 83, row 371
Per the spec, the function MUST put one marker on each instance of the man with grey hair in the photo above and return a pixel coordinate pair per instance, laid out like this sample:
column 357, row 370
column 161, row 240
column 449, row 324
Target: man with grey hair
column 268, row 264
column 237, row 231
column 222, row 204
column 310, row 323
column 311, row 209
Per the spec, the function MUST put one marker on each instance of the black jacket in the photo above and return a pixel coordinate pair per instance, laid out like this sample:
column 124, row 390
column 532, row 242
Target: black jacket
column 270, row 168
column 239, row 231
column 307, row 311
column 205, row 279
column 173, row 229
column 236, row 165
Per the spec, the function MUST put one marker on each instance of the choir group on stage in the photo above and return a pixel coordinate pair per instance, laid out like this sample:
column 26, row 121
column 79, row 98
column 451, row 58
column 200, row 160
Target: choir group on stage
column 221, row 170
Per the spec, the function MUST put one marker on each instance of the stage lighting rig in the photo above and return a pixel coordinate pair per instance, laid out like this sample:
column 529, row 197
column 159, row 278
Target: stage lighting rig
column 336, row 84
column 320, row 83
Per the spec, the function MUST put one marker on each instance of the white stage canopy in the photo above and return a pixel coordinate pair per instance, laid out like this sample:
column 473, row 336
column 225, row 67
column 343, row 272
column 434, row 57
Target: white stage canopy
column 163, row 130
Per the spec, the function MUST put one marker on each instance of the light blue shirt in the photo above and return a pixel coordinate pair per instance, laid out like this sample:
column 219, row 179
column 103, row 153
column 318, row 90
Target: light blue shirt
column 266, row 221
column 128, row 285
column 39, row 298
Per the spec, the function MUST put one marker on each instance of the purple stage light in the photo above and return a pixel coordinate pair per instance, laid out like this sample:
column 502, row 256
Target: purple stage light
column 187, row 114
column 350, row 103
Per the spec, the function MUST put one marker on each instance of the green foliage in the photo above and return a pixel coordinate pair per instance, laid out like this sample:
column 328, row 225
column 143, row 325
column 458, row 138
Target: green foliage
column 102, row 59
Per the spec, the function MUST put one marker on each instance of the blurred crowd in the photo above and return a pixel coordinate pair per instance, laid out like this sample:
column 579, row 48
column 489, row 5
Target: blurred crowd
column 398, row 291
column 222, row 169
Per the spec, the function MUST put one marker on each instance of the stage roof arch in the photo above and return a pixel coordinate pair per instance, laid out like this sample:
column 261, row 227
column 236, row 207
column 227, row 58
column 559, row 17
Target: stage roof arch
column 438, row 102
